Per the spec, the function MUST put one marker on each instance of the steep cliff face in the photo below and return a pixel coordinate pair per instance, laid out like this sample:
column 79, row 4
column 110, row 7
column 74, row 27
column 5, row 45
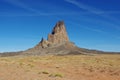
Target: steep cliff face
column 59, row 34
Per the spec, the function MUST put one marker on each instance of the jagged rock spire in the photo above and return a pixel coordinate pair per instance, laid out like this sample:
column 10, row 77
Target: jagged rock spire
column 58, row 34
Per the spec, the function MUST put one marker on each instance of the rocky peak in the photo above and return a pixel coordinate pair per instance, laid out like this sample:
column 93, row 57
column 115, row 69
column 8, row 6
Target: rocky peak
column 58, row 34
column 58, row 27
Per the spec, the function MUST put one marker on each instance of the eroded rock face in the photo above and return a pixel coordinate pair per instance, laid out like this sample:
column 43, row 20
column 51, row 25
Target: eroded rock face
column 44, row 43
column 59, row 34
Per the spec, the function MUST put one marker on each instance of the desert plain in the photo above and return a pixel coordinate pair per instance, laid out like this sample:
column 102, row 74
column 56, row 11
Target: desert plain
column 67, row 67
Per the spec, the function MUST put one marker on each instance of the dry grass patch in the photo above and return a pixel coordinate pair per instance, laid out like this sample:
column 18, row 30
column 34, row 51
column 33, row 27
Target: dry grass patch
column 69, row 67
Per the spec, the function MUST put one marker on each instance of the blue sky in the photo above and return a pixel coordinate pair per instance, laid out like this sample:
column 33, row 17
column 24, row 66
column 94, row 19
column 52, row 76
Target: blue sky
column 92, row 24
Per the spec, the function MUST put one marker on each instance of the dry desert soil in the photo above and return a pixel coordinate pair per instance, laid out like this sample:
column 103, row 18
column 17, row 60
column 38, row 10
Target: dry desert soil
column 69, row 67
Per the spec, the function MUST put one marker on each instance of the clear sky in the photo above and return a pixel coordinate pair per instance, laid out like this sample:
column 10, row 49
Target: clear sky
column 92, row 24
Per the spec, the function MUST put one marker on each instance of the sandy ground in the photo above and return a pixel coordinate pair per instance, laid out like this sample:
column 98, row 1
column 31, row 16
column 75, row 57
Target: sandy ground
column 76, row 67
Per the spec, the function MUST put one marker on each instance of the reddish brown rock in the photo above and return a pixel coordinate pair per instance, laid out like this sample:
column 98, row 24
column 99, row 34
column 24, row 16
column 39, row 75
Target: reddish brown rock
column 44, row 43
column 59, row 34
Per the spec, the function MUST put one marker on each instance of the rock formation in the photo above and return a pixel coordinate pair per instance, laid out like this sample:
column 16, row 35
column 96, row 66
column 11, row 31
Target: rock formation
column 57, row 43
column 57, row 36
